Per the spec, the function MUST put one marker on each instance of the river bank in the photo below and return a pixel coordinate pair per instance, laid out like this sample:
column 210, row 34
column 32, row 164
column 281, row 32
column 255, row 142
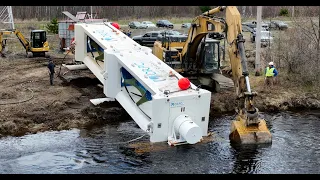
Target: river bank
column 281, row 97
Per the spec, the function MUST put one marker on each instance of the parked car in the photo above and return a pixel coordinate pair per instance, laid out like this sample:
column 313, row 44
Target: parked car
column 262, row 29
column 246, row 28
column 137, row 25
column 164, row 23
column 170, row 32
column 186, row 25
column 149, row 24
column 253, row 24
column 277, row 24
column 266, row 38
column 148, row 38
column 173, row 38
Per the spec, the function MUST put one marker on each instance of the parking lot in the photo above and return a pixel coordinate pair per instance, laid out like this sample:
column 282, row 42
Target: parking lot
column 135, row 32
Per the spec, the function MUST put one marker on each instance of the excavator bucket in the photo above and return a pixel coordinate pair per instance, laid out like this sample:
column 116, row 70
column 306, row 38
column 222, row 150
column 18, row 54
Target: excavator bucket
column 254, row 134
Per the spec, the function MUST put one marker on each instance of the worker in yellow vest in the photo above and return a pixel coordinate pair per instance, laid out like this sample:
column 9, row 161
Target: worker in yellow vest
column 270, row 73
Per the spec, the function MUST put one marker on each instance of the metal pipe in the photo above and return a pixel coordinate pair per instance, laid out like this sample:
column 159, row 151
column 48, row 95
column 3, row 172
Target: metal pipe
column 243, row 61
column 248, row 84
column 75, row 67
column 100, row 100
column 91, row 12
column 242, row 55
column 258, row 39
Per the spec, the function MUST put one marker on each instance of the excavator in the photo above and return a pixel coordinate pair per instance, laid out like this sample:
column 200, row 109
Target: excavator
column 38, row 45
column 198, row 59
column 248, row 127
column 169, row 48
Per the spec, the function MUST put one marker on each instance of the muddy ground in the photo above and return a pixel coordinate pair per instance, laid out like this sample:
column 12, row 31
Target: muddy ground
column 28, row 104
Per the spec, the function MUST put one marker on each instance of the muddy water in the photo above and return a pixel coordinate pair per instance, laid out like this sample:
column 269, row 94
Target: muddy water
column 295, row 149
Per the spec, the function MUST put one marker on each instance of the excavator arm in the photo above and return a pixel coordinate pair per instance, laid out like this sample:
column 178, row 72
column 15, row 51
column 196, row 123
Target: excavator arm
column 25, row 43
column 201, row 26
column 248, row 128
column 236, row 52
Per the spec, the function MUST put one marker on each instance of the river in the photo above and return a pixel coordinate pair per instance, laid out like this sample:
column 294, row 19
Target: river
column 295, row 149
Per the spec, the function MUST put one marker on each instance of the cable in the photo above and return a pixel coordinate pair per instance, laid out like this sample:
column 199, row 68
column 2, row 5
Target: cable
column 88, row 41
column 125, row 86
column 17, row 102
column 129, row 140
column 62, row 63
column 135, row 102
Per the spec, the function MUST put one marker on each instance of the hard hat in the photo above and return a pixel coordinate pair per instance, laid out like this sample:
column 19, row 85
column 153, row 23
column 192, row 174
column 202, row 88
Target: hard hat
column 271, row 63
column 116, row 25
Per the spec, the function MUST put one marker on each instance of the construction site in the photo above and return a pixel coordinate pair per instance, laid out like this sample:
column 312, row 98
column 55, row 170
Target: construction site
column 129, row 97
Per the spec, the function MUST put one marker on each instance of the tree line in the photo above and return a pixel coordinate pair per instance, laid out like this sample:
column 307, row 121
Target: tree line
column 129, row 12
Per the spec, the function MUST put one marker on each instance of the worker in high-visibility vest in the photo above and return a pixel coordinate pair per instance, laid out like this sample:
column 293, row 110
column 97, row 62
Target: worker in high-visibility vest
column 270, row 73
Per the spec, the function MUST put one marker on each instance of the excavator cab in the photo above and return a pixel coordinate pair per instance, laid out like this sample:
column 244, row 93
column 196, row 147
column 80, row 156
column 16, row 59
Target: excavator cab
column 38, row 44
column 208, row 57
column 37, row 38
column 210, row 48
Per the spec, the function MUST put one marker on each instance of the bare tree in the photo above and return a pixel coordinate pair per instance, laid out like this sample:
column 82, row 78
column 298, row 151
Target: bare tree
column 297, row 51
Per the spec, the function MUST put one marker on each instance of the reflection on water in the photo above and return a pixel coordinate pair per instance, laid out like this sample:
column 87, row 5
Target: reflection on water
column 102, row 150
column 246, row 159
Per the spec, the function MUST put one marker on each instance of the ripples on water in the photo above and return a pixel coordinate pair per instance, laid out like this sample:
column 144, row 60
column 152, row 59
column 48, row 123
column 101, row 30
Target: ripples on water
column 295, row 149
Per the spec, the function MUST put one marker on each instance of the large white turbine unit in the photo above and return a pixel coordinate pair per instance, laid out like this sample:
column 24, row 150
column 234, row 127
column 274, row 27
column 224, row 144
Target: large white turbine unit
column 142, row 84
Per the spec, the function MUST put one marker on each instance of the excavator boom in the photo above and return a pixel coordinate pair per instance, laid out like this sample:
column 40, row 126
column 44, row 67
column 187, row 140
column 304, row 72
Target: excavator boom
column 196, row 57
column 248, row 128
column 197, row 32
column 25, row 43
column 200, row 27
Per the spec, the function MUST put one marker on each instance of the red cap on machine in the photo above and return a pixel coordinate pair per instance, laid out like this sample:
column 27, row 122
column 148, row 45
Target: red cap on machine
column 184, row 83
column 116, row 25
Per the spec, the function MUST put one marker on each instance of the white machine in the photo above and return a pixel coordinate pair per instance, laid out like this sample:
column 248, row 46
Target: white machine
column 141, row 83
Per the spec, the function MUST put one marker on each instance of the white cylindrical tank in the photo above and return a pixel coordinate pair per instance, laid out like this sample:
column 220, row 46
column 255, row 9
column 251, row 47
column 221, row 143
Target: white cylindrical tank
column 187, row 129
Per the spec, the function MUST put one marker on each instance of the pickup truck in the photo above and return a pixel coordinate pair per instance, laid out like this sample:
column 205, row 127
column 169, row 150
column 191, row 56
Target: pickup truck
column 150, row 37
column 147, row 39
column 253, row 24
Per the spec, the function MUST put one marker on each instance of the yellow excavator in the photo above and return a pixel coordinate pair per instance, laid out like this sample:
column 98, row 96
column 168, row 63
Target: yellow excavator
column 248, row 127
column 38, row 45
